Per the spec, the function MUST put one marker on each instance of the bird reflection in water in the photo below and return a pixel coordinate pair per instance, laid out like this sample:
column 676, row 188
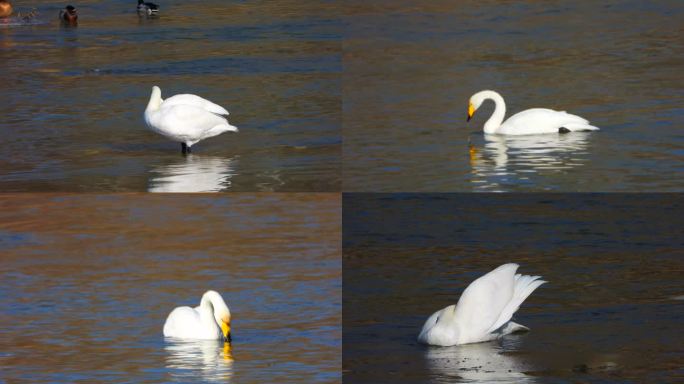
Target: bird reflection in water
column 513, row 159
column 479, row 363
column 212, row 360
column 193, row 173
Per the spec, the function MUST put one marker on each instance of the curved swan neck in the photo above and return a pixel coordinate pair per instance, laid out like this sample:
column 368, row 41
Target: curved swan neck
column 497, row 117
column 212, row 304
column 155, row 99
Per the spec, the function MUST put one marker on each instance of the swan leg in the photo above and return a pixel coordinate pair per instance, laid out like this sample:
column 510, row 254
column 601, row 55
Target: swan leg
column 563, row 130
column 185, row 148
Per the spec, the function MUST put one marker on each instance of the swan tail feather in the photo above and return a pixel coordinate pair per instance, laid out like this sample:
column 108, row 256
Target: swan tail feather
column 575, row 127
column 524, row 286
column 513, row 327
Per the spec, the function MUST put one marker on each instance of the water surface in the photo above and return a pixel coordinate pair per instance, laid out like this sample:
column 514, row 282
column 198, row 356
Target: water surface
column 411, row 66
column 611, row 312
column 73, row 98
column 88, row 281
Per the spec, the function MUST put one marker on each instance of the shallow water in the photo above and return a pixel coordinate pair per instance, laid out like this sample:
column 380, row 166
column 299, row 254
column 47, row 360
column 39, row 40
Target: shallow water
column 410, row 68
column 73, row 98
column 88, row 281
column 612, row 309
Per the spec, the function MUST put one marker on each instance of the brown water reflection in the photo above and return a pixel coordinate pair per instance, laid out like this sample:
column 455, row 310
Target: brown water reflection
column 410, row 67
column 610, row 312
column 72, row 112
column 89, row 280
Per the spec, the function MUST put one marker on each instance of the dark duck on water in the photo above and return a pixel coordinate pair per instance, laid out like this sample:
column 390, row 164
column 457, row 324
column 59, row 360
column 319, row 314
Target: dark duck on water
column 68, row 15
column 147, row 8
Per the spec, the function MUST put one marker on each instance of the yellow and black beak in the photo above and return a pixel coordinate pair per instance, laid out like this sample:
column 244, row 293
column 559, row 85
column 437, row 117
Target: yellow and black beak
column 225, row 329
column 471, row 111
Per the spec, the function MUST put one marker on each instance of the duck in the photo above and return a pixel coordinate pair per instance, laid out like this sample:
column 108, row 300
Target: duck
column 68, row 15
column 529, row 122
column 484, row 311
column 5, row 8
column 208, row 321
column 147, row 8
column 186, row 118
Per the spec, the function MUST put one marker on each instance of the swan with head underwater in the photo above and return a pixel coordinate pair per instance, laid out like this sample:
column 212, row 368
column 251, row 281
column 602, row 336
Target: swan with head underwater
column 484, row 311
column 209, row 321
column 186, row 118
column 528, row 122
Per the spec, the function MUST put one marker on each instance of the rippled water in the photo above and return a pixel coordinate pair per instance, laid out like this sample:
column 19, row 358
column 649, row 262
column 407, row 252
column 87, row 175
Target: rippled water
column 88, row 281
column 410, row 68
column 73, row 98
column 611, row 312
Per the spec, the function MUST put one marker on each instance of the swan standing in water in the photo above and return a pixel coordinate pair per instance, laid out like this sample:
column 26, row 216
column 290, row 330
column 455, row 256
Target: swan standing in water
column 484, row 310
column 209, row 321
column 528, row 122
column 186, row 118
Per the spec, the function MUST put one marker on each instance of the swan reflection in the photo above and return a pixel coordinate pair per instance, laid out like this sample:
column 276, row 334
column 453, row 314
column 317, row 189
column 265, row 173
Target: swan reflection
column 211, row 360
column 481, row 363
column 193, row 174
column 513, row 159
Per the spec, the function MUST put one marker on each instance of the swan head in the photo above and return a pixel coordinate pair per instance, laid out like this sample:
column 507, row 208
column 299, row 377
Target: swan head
column 475, row 102
column 155, row 99
column 221, row 313
column 441, row 328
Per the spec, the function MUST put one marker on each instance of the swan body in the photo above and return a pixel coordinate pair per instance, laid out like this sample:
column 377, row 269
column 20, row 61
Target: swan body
column 484, row 310
column 529, row 122
column 209, row 321
column 186, row 118
column 147, row 8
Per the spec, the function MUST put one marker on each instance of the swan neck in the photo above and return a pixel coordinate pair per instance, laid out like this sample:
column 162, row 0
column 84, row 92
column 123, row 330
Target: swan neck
column 497, row 117
column 155, row 99
column 207, row 310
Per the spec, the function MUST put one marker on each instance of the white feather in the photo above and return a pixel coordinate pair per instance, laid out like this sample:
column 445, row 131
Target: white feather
column 201, row 322
column 186, row 118
column 484, row 310
column 528, row 122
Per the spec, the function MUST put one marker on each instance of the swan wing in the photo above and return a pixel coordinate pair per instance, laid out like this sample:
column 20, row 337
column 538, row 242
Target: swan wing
column 542, row 120
column 482, row 303
column 524, row 286
column 195, row 101
column 190, row 123
column 182, row 322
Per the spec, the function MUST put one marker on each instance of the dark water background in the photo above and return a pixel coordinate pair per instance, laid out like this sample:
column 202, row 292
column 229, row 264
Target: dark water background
column 611, row 312
column 88, row 280
column 72, row 99
column 411, row 66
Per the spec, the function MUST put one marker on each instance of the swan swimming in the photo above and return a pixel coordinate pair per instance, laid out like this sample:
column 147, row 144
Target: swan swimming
column 209, row 321
column 484, row 311
column 186, row 118
column 528, row 122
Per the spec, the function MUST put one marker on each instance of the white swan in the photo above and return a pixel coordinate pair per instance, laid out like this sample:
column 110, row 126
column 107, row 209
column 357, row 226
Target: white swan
column 484, row 310
column 186, row 118
column 209, row 321
column 528, row 122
